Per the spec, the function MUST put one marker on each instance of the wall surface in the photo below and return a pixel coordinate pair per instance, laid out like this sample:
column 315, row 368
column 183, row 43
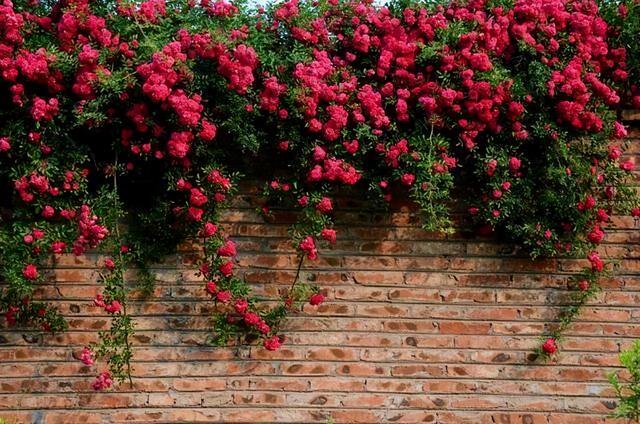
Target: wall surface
column 417, row 328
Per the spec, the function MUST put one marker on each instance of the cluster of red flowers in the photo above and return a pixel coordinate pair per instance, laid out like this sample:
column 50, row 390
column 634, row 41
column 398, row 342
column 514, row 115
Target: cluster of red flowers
column 112, row 307
column 238, row 67
column 103, row 381
column 90, row 233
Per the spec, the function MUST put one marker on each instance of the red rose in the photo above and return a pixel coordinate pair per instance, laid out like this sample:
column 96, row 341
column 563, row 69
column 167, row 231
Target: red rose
column 308, row 245
column 272, row 343
column 48, row 212
column 197, row 198
column 319, row 154
column 103, row 381
column 195, row 214
column 408, row 179
column 58, row 247
column 227, row 249
column 549, row 346
column 109, row 264
column 329, row 234
column 4, row 144
column 263, row 327
column 619, row 131
column 596, row 235
column 627, row 166
column 113, row 307
column 30, row 272
column 87, row 356
column 251, row 318
column 241, row 306
column 283, row 145
column 211, row 287
column 226, row 268
column 324, row 205
column 603, row 216
column 316, row 299
column 209, row 229
column 223, row 296
column 208, row 131
column 596, row 263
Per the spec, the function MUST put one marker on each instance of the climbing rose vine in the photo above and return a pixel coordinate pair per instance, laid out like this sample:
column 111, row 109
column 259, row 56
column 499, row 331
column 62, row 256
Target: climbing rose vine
column 126, row 125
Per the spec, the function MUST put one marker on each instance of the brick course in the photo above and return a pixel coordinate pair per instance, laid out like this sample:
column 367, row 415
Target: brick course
column 418, row 327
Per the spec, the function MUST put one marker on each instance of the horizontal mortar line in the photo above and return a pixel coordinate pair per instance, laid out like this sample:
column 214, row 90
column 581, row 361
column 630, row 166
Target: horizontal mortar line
column 386, row 269
column 407, row 332
column 453, row 306
column 364, row 303
column 347, row 379
column 394, row 348
column 370, row 255
column 399, row 378
column 358, row 295
column 527, row 281
column 383, row 295
column 362, row 331
column 200, row 286
column 312, row 391
column 322, row 392
column 346, row 231
column 294, row 361
column 356, row 301
column 358, row 254
column 389, row 347
column 5, row 347
column 389, row 409
column 344, row 214
column 417, row 271
column 388, row 233
column 367, row 331
column 457, row 295
column 406, row 361
column 390, row 332
column 369, row 317
column 462, row 252
column 398, row 348
column 350, row 210
column 290, row 361
column 451, row 283
column 364, row 254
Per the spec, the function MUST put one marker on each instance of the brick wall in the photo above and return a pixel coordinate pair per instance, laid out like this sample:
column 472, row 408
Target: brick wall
column 417, row 328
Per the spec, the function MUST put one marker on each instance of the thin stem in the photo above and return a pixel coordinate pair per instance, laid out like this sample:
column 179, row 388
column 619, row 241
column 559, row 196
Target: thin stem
column 122, row 273
column 295, row 280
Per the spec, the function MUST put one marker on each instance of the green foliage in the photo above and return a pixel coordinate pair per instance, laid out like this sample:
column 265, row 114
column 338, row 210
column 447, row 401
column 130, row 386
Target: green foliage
column 628, row 388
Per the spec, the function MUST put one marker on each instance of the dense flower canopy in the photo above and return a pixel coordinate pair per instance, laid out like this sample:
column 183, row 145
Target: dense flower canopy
column 157, row 108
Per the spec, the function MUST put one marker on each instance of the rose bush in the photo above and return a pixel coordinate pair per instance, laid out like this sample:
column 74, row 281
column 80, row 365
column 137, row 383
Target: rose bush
column 157, row 109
